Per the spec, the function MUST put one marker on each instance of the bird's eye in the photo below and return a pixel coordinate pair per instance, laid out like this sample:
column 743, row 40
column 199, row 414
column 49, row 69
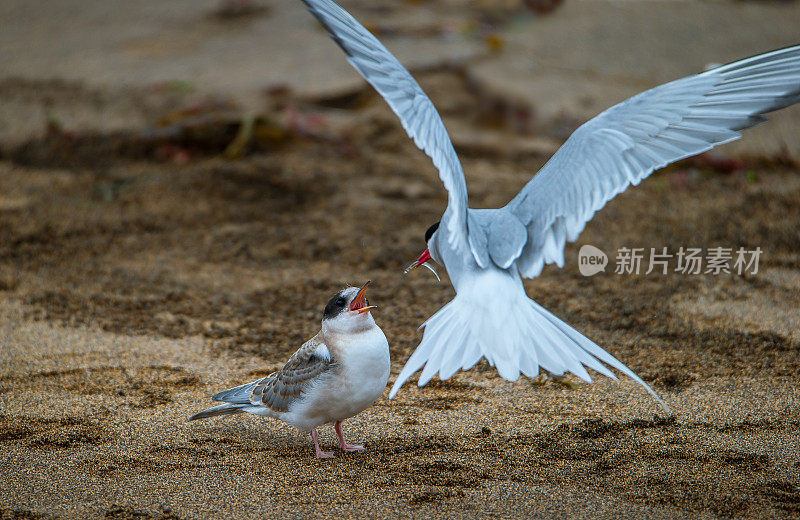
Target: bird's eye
column 366, row 302
column 341, row 301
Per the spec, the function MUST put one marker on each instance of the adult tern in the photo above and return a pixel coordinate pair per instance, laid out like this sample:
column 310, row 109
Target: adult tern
column 487, row 252
column 335, row 375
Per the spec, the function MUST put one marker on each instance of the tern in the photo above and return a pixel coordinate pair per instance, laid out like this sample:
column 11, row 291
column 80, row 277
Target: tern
column 487, row 252
column 335, row 375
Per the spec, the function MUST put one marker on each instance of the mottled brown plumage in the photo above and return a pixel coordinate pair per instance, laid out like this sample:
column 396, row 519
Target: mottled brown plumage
column 279, row 389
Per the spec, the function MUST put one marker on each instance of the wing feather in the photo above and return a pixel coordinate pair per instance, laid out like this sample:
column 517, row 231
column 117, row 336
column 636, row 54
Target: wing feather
column 406, row 98
column 279, row 389
column 629, row 141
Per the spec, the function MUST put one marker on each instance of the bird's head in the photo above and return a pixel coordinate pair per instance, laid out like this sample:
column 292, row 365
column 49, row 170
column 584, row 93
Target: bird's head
column 427, row 255
column 349, row 311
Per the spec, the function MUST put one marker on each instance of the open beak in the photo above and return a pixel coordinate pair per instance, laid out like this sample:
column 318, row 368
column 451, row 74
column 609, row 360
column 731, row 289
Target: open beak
column 359, row 303
column 424, row 257
column 423, row 260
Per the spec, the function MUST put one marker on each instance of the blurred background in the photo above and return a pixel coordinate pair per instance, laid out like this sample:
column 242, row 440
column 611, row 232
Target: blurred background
column 535, row 67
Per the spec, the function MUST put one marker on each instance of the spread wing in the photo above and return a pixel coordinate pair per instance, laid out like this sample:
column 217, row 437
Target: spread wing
column 279, row 389
column 626, row 143
column 400, row 90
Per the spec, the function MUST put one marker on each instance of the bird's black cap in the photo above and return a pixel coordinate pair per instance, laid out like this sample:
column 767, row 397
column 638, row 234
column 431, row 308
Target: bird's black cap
column 431, row 231
column 336, row 305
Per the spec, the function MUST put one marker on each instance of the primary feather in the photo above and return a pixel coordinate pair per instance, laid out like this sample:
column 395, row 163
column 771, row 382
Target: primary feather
column 631, row 140
column 406, row 98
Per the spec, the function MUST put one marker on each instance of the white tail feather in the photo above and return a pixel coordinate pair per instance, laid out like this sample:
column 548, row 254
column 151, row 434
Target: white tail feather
column 514, row 334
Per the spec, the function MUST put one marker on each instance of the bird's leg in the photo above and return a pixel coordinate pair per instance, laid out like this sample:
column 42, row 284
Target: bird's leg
column 342, row 443
column 320, row 454
column 563, row 380
column 560, row 379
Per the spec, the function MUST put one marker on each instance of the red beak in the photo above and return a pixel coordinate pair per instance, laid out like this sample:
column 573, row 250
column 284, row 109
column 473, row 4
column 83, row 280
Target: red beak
column 424, row 257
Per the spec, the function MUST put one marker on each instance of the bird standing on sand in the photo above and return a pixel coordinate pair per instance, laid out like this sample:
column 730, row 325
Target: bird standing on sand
column 335, row 375
column 487, row 252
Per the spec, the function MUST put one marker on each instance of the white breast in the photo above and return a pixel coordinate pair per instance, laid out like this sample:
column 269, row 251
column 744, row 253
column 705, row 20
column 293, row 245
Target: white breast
column 357, row 381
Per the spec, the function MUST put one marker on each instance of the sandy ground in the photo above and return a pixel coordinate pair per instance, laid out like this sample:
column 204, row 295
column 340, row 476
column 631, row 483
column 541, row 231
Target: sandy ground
column 146, row 262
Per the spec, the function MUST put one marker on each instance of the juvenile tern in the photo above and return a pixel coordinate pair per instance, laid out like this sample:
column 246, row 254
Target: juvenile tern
column 335, row 375
column 487, row 252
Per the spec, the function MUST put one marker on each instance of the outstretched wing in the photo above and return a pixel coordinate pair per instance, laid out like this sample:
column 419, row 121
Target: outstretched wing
column 279, row 389
column 403, row 94
column 626, row 143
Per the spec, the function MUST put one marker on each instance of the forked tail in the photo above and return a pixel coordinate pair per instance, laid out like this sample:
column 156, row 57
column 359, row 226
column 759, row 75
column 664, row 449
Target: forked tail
column 516, row 336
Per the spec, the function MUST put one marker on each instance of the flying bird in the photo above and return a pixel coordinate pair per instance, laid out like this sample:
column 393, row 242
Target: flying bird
column 335, row 375
column 487, row 252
